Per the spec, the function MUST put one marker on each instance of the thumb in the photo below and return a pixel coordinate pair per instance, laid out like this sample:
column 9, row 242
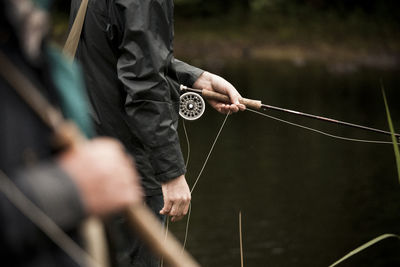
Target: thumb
column 167, row 207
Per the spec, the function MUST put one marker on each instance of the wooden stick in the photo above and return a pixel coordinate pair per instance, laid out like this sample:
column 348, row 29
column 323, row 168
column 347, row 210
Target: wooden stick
column 95, row 242
column 73, row 38
column 149, row 228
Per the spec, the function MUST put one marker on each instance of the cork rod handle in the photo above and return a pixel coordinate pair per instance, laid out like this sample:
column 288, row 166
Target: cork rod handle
column 250, row 103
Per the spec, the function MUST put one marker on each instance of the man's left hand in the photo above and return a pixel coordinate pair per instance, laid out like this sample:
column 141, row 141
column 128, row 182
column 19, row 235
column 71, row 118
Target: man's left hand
column 177, row 197
column 212, row 82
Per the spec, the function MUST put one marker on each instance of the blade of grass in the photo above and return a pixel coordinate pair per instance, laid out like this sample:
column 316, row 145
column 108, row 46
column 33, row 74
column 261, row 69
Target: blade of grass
column 241, row 240
column 395, row 145
column 366, row 245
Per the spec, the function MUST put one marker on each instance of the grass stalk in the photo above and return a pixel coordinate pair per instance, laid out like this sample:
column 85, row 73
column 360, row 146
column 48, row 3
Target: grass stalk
column 361, row 248
column 394, row 140
column 241, row 239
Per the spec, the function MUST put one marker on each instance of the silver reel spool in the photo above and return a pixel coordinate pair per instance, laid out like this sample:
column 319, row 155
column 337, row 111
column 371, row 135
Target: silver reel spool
column 191, row 106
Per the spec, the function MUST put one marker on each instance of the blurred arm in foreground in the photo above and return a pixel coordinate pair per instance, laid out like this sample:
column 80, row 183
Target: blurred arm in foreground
column 95, row 178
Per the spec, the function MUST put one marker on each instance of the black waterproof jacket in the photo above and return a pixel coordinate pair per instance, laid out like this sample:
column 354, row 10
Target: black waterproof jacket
column 126, row 49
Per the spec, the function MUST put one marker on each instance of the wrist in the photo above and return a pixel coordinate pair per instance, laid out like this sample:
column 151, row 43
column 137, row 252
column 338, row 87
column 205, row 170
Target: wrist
column 207, row 76
column 204, row 81
column 174, row 180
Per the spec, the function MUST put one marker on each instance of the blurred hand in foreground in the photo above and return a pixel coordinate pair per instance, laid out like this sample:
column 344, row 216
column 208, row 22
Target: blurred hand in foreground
column 104, row 174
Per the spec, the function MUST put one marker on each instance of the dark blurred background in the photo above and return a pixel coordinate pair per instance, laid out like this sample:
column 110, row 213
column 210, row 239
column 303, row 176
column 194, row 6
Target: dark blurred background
column 365, row 32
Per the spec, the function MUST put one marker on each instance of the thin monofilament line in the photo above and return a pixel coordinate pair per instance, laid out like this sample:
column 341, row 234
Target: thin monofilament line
column 320, row 132
column 166, row 228
column 190, row 204
column 165, row 238
column 268, row 116
column 200, row 173
column 44, row 223
column 187, row 144
column 187, row 227
column 188, row 217
column 209, row 153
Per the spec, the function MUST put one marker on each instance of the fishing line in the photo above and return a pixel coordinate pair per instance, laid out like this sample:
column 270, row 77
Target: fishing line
column 165, row 237
column 187, row 144
column 200, row 173
column 319, row 131
column 190, row 204
column 209, row 153
column 265, row 115
column 268, row 116
column 187, row 227
column 257, row 105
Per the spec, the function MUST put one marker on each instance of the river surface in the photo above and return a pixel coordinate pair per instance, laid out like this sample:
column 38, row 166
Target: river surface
column 305, row 199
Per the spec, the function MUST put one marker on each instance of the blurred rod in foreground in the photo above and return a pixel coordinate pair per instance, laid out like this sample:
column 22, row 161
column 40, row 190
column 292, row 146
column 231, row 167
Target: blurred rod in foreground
column 68, row 135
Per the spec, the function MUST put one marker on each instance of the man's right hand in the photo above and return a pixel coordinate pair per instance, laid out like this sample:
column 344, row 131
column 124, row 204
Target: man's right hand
column 104, row 174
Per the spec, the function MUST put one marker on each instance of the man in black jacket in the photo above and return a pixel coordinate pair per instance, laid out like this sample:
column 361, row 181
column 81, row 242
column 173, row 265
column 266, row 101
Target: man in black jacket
column 67, row 185
column 126, row 49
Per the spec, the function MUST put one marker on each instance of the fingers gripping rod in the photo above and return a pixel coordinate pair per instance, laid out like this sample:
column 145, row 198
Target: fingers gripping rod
column 211, row 95
column 257, row 105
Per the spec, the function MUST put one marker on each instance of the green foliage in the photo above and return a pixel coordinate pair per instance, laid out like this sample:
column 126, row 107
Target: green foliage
column 394, row 139
column 365, row 246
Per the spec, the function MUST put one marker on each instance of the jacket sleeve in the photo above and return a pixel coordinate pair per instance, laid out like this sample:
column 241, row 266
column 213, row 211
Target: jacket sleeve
column 184, row 73
column 53, row 192
column 150, row 106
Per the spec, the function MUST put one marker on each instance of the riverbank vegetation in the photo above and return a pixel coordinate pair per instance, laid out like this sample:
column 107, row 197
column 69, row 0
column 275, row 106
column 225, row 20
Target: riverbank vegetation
column 348, row 33
column 342, row 33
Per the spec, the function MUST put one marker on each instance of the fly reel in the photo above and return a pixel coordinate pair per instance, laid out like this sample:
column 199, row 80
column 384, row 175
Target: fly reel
column 191, row 106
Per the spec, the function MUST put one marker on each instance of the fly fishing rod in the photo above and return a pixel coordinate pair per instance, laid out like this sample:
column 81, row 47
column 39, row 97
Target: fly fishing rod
column 192, row 108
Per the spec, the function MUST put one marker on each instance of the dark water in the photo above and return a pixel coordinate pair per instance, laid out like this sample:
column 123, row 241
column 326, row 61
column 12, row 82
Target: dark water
column 306, row 199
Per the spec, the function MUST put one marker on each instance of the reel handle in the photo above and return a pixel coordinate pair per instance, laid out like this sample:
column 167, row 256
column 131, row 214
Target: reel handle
column 211, row 95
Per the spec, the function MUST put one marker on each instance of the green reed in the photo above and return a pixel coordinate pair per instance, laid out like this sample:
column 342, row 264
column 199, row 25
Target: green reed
column 394, row 140
column 397, row 155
